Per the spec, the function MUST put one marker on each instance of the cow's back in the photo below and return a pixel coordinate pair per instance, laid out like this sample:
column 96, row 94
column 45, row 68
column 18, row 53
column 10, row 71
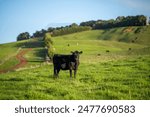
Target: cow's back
column 61, row 58
column 61, row 61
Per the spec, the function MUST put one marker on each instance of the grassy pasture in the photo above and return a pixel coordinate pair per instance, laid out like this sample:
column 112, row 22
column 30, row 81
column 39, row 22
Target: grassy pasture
column 123, row 79
column 118, row 74
column 7, row 51
column 7, row 55
column 94, row 49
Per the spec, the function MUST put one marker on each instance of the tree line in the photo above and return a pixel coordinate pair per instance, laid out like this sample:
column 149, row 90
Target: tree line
column 120, row 21
column 71, row 29
column 54, row 31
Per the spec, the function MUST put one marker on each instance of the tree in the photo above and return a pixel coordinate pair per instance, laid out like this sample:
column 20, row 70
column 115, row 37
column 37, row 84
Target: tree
column 50, row 29
column 40, row 33
column 141, row 20
column 88, row 23
column 23, row 36
column 71, row 29
column 120, row 18
column 49, row 45
column 74, row 25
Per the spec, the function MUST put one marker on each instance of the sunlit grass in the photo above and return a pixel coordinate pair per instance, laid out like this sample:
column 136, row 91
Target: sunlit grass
column 123, row 79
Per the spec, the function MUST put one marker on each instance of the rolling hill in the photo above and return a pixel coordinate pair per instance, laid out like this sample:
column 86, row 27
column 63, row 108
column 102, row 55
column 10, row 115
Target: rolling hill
column 121, row 73
column 10, row 51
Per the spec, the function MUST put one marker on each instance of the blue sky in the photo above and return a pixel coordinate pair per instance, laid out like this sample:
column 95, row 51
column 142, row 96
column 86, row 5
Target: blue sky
column 18, row 16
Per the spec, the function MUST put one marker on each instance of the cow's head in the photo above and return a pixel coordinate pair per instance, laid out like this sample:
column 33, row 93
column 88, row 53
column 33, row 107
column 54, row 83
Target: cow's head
column 76, row 55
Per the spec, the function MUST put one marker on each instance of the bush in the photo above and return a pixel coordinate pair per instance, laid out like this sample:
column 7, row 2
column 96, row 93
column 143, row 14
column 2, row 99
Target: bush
column 23, row 36
column 49, row 45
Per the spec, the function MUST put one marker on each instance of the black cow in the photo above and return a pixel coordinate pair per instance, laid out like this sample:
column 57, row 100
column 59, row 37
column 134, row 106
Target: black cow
column 66, row 62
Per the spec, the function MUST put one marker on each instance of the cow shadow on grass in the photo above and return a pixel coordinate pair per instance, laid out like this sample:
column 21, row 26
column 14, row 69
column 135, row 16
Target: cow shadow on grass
column 12, row 79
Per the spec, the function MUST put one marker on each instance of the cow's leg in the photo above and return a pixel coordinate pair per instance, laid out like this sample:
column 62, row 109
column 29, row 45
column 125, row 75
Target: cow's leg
column 75, row 72
column 55, row 72
column 70, row 73
column 58, row 72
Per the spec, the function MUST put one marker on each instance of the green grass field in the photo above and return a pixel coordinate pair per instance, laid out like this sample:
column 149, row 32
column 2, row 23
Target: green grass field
column 7, row 51
column 118, row 74
column 10, row 50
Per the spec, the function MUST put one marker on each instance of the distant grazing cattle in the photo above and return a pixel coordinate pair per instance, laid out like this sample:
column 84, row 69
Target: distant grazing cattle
column 107, row 50
column 66, row 62
column 129, row 49
column 136, row 38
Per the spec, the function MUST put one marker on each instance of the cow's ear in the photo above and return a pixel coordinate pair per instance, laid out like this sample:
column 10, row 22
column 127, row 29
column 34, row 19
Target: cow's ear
column 80, row 52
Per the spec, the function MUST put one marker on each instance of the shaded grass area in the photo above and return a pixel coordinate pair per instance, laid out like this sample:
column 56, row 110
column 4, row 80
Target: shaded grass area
column 31, row 43
column 123, row 79
column 134, row 34
column 36, row 56
column 38, row 53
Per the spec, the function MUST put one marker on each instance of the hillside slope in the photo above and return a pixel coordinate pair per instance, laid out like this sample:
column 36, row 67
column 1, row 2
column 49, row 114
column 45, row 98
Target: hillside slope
column 112, row 66
column 93, row 43
column 137, row 34
column 9, row 53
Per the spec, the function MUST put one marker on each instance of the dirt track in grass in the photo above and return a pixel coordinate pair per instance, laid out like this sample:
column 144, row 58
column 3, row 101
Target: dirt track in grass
column 20, row 58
